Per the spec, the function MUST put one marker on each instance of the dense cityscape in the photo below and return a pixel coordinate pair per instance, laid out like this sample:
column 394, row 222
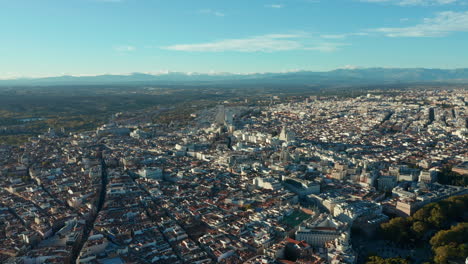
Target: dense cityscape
column 234, row 132
column 306, row 179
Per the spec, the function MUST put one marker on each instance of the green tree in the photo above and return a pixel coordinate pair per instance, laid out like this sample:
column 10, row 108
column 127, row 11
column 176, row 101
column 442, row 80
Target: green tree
column 450, row 244
column 457, row 234
column 424, row 213
column 450, row 252
column 380, row 260
column 438, row 215
column 419, row 228
column 397, row 229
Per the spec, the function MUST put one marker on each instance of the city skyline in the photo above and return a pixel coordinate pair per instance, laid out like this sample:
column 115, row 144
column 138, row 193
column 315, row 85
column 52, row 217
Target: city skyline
column 93, row 37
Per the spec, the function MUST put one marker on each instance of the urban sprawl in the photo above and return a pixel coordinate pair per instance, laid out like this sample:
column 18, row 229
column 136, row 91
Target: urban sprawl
column 238, row 184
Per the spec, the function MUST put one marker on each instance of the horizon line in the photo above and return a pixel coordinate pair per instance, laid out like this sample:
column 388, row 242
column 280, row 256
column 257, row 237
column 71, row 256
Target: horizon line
column 215, row 73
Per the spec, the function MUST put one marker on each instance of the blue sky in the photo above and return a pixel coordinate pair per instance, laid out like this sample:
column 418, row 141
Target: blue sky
column 88, row 37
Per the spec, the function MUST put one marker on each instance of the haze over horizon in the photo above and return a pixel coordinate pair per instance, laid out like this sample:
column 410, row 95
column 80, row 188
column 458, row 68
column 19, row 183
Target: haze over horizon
column 93, row 37
column 226, row 73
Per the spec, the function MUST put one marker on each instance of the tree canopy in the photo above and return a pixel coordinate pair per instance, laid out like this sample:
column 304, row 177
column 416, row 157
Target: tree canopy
column 380, row 260
column 449, row 242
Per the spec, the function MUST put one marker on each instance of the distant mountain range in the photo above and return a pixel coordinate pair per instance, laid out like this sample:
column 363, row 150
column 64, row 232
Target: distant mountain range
column 335, row 77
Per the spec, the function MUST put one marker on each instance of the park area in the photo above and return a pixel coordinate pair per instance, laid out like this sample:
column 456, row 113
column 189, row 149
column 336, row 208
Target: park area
column 295, row 218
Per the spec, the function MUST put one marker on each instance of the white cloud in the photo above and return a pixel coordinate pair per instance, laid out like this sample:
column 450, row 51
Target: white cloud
column 442, row 24
column 326, row 47
column 10, row 76
column 350, row 67
column 277, row 6
column 263, row 43
column 415, row 2
column 212, row 12
column 124, row 48
column 345, row 35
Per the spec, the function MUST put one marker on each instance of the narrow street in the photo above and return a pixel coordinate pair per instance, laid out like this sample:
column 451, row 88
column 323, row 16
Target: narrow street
column 90, row 222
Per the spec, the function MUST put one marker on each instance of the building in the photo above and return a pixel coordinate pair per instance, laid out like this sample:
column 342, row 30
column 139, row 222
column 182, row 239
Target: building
column 152, row 173
column 286, row 135
column 386, row 183
column 300, row 186
column 321, row 230
column 267, row 183
column 427, row 176
column 461, row 168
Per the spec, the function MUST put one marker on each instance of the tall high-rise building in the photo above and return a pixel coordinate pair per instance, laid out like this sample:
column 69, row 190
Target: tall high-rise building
column 220, row 115
column 286, row 135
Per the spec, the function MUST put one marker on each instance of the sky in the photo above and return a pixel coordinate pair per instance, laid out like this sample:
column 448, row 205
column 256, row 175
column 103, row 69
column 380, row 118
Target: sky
column 41, row 38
